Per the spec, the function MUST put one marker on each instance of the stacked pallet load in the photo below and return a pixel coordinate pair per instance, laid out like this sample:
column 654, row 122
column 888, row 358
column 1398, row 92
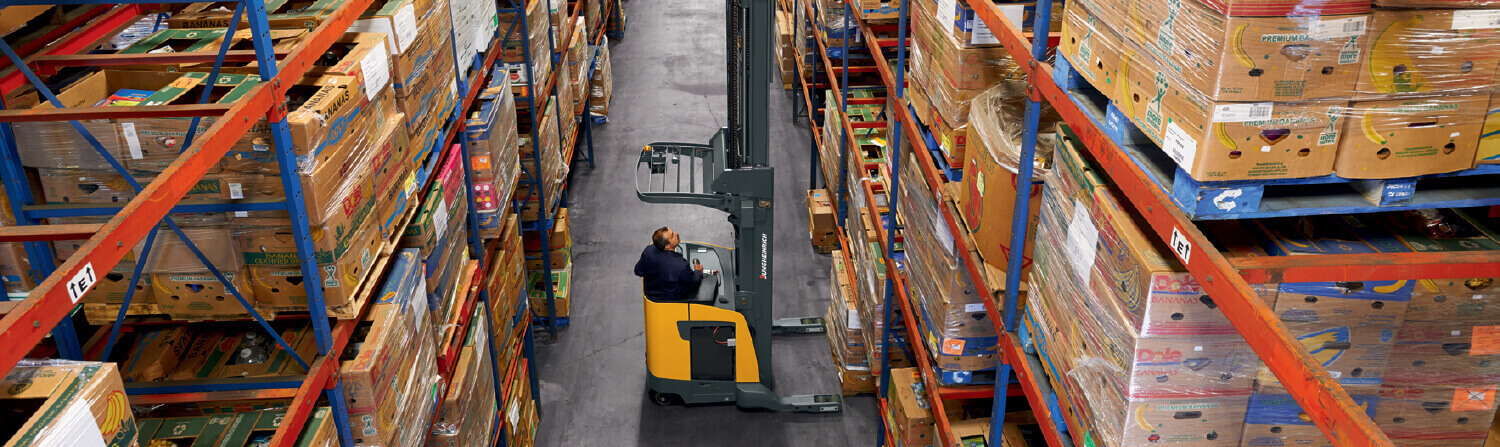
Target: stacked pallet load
column 558, row 258
column 1291, row 94
column 1130, row 338
column 822, row 221
column 1414, row 351
column 601, row 85
column 494, row 155
column 846, row 332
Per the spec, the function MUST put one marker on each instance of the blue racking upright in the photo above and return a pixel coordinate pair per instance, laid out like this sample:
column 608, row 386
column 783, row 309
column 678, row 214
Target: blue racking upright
column 51, row 306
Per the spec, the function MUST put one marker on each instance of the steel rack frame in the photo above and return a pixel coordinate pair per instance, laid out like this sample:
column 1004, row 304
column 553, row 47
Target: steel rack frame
column 546, row 215
column 163, row 196
column 1325, row 402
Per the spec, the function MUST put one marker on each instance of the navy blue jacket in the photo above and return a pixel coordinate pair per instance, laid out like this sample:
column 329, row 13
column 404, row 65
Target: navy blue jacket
column 667, row 274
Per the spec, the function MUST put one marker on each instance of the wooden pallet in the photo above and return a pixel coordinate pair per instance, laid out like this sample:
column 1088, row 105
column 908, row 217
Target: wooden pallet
column 1243, row 199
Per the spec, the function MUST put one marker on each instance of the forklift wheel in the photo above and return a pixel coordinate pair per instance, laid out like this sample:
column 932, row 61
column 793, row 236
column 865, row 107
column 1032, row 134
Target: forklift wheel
column 664, row 399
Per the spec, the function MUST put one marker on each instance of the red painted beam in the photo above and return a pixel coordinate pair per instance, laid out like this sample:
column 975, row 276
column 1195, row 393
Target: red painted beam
column 93, row 113
column 1368, row 267
column 79, row 40
column 29, row 233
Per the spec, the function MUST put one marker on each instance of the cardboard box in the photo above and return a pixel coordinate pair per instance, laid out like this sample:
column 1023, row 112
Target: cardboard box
column 241, row 350
column 1275, row 419
column 1281, row 58
column 67, row 403
column 1313, row 235
column 155, row 353
column 1210, row 140
column 1356, row 356
column 989, row 198
column 389, row 363
column 1436, row 416
column 1454, row 300
column 112, row 287
column 960, row 67
column 1448, row 354
column 280, row 14
column 1429, row 51
column 1380, row 304
column 909, row 408
column 200, row 295
column 319, row 430
column 91, row 186
column 1410, row 137
column 1439, row 230
column 192, row 431
column 1212, row 421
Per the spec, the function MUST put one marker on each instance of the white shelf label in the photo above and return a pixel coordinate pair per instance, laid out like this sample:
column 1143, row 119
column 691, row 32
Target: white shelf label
column 1082, row 242
column 376, row 68
column 1180, row 146
column 81, row 282
column 1181, row 245
column 1476, row 19
column 132, row 140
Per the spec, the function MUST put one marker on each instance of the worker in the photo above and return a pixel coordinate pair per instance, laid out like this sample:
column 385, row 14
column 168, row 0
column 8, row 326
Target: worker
column 667, row 274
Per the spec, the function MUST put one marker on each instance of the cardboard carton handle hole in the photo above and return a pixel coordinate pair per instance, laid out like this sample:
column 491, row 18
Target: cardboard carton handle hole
column 1449, row 148
column 1256, row 72
column 1418, row 363
column 1304, row 152
column 1356, row 372
column 1276, row 429
column 1383, row 153
column 219, row 298
column 1467, row 66
column 1327, row 70
column 1377, row 305
column 194, row 287
column 1337, row 345
column 1462, row 421
column 1187, row 415
column 1421, row 124
column 1234, row 155
column 1398, row 419
column 1177, row 316
column 114, row 277
column 1208, row 302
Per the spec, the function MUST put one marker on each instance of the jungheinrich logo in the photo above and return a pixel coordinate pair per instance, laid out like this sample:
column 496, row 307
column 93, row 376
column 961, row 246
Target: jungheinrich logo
column 764, row 253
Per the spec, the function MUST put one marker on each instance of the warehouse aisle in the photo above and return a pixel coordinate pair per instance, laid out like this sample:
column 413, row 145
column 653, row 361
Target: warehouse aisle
column 669, row 86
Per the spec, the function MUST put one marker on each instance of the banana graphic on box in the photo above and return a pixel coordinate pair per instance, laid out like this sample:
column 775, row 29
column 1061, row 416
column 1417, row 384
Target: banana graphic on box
column 1391, row 288
column 1367, row 124
column 1391, row 67
column 1140, row 418
column 1237, row 42
column 1223, row 137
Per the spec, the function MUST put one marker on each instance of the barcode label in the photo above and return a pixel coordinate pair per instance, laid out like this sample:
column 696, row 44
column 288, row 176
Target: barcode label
column 1340, row 28
column 1239, row 113
column 1476, row 19
column 236, row 191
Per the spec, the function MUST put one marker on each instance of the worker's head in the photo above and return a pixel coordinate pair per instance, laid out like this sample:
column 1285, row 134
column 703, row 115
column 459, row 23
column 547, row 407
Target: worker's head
column 665, row 239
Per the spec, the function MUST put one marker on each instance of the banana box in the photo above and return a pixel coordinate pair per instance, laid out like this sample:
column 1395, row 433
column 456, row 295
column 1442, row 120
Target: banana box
column 1245, row 58
column 1345, row 303
column 1355, row 356
column 1430, row 51
column 200, row 295
column 1175, row 368
column 1410, row 137
column 67, row 403
column 1445, row 353
column 1287, row 7
column 1489, row 139
column 1209, row 421
column 1274, row 419
column 1211, row 140
column 1454, row 300
column 1436, row 416
column 1092, row 49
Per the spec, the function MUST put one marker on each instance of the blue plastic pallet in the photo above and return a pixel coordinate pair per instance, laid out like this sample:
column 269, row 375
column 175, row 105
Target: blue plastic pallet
column 1243, row 199
column 540, row 322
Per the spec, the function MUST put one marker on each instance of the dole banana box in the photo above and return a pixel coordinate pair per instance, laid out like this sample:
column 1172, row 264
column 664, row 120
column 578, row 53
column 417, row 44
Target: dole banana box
column 1212, row 140
column 1411, row 136
column 1211, row 421
column 1244, row 58
column 1356, row 356
column 1435, row 416
column 1430, row 51
column 71, row 403
column 1275, row 419
column 1454, row 300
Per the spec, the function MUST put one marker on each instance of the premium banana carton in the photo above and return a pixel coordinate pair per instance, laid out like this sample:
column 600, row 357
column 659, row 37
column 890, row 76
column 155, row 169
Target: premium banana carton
column 1244, row 58
column 1274, row 419
column 1210, row 140
column 1409, row 137
column 1429, row 51
column 1461, row 299
column 1436, row 416
column 1450, row 354
column 1356, row 356
column 66, row 403
column 1202, row 421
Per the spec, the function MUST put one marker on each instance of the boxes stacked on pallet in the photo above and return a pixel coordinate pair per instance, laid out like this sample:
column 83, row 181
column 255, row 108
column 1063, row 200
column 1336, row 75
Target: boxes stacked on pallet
column 786, row 54
column 535, row 41
column 559, row 259
column 1414, row 353
column 1293, row 90
column 440, row 234
column 846, row 333
column 949, row 308
column 554, row 167
column 68, row 403
column 494, row 153
column 390, row 372
column 910, row 413
column 1134, row 342
column 601, row 85
column 822, row 222
column 506, row 287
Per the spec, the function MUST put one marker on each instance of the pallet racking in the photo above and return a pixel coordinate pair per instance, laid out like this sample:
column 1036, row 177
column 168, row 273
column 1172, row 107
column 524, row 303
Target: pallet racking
column 1150, row 192
column 50, row 307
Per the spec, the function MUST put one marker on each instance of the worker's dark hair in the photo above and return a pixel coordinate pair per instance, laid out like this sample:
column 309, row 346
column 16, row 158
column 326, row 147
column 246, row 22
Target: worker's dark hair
column 659, row 238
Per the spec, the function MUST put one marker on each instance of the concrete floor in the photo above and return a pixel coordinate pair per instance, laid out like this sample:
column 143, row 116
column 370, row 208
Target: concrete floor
column 669, row 86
